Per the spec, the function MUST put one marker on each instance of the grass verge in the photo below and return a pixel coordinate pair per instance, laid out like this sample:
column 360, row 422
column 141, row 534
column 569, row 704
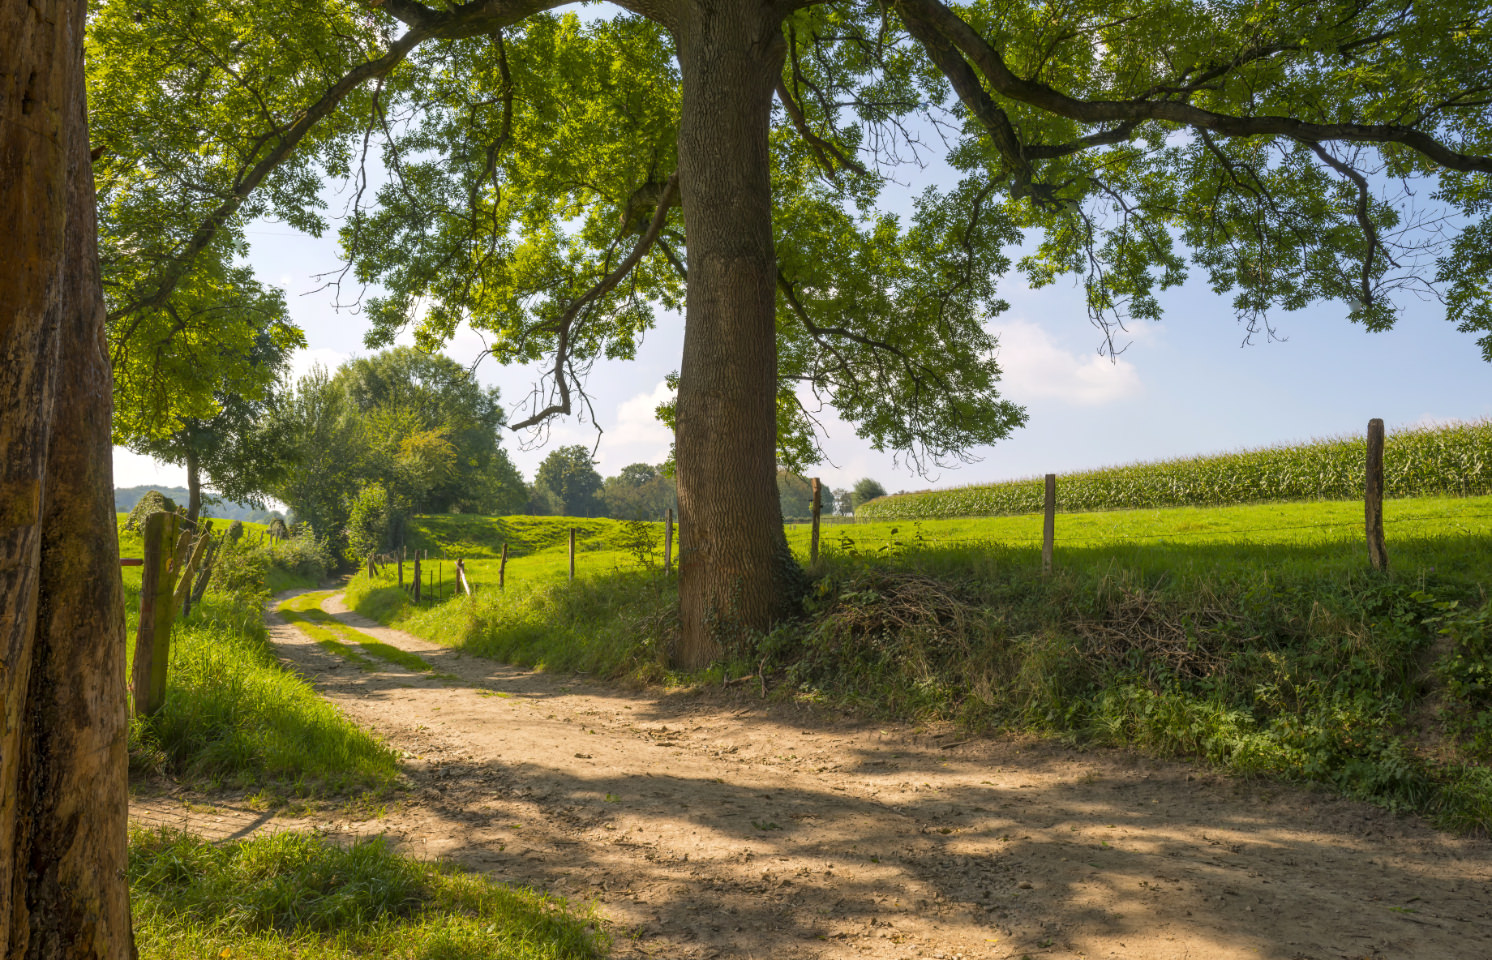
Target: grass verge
column 234, row 717
column 293, row 895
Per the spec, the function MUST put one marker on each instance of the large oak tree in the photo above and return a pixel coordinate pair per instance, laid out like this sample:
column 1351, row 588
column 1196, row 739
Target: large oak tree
column 534, row 165
column 550, row 181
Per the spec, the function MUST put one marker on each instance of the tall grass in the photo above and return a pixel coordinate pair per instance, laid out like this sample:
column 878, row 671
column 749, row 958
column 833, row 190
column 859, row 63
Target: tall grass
column 1454, row 460
column 235, row 717
column 292, row 895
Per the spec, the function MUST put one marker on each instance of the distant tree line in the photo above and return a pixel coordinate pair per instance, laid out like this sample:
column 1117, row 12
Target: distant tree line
column 354, row 452
column 125, row 499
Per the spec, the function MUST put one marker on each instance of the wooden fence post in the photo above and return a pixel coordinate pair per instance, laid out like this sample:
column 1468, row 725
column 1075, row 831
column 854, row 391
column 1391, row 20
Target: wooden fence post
column 572, row 554
column 416, row 576
column 440, row 578
column 181, row 599
column 502, row 569
column 206, row 574
column 1049, row 523
column 818, row 502
column 1373, row 499
column 668, row 540
column 153, row 636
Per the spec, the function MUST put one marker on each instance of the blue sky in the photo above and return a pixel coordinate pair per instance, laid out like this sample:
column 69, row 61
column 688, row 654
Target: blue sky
column 1185, row 385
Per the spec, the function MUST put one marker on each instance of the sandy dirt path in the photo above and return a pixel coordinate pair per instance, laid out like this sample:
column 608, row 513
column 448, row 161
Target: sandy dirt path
column 718, row 825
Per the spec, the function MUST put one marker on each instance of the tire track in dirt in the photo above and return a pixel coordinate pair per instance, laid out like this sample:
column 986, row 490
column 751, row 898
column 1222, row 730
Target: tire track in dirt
column 716, row 825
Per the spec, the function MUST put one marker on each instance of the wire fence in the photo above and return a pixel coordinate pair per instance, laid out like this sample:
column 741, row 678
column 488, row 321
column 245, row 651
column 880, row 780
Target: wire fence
column 1221, row 535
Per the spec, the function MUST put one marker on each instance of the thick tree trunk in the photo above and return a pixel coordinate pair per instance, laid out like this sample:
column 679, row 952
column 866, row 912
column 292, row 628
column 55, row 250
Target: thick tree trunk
column 62, row 744
column 735, row 570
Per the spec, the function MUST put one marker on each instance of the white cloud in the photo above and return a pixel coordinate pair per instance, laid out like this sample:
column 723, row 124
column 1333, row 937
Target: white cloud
column 302, row 362
column 1034, row 366
column 635, row 434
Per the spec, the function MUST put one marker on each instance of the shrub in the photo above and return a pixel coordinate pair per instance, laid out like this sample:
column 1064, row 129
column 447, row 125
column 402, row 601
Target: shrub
column 153, row 502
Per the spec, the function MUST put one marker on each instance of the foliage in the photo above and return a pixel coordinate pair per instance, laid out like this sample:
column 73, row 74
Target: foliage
column 639, row 491
column 418, row 425
column 865, row 491
column 235, row 531
column 372, row 523
column 287, row 894
column 1453, row 459
column 569, row 474
column 152, row 502
column 431, row 431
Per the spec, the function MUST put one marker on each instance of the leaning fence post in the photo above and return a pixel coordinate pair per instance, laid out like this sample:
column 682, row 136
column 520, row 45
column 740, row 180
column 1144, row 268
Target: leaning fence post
column 502, row 569
column 181, row 599
column 416, row 576
column 813, row 544
column 1049, row 523
column 572, row 554
column 667, row 540
column 1373, row 498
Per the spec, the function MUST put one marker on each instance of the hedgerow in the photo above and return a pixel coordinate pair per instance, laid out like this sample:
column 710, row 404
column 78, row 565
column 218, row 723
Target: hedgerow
column 1455, row 459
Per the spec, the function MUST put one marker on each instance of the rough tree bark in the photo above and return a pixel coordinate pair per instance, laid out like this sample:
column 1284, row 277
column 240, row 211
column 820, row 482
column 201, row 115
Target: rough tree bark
column 62, row 736
column 735, row 569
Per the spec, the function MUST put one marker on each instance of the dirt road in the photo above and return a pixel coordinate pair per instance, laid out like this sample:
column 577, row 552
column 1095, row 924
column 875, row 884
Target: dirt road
column 717, row 825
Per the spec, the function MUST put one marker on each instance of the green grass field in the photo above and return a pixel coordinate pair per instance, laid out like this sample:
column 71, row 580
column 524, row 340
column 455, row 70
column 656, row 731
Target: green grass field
column 1252, row 637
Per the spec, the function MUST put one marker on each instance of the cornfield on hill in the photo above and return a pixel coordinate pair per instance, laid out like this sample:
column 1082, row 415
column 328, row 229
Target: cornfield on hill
column 1454, row 460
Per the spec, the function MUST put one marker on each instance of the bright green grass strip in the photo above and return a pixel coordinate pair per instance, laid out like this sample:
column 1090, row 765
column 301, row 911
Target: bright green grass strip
column 306, row 613
column 234, row 716
column 294, row 895
column 1451, row 460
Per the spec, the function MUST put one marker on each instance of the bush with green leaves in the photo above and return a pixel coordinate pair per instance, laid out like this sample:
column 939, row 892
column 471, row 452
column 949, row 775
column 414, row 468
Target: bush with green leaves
column 370, row 522
column 235, row 531
column 1454, row 459
column 153, row 502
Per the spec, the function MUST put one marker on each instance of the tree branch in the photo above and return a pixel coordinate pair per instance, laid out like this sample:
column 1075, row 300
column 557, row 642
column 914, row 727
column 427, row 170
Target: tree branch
column 180, row 265
column 602, row 287
column 992, row 67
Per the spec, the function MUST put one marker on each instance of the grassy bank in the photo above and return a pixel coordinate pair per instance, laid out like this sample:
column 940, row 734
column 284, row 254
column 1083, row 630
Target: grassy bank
column 1450, row 460
column 1252, row 637
column 289, row 895
column 233, row 716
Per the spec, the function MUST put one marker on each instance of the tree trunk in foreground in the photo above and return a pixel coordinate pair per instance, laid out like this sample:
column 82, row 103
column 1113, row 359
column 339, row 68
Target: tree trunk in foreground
column 62, row 744
column 735, row 569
